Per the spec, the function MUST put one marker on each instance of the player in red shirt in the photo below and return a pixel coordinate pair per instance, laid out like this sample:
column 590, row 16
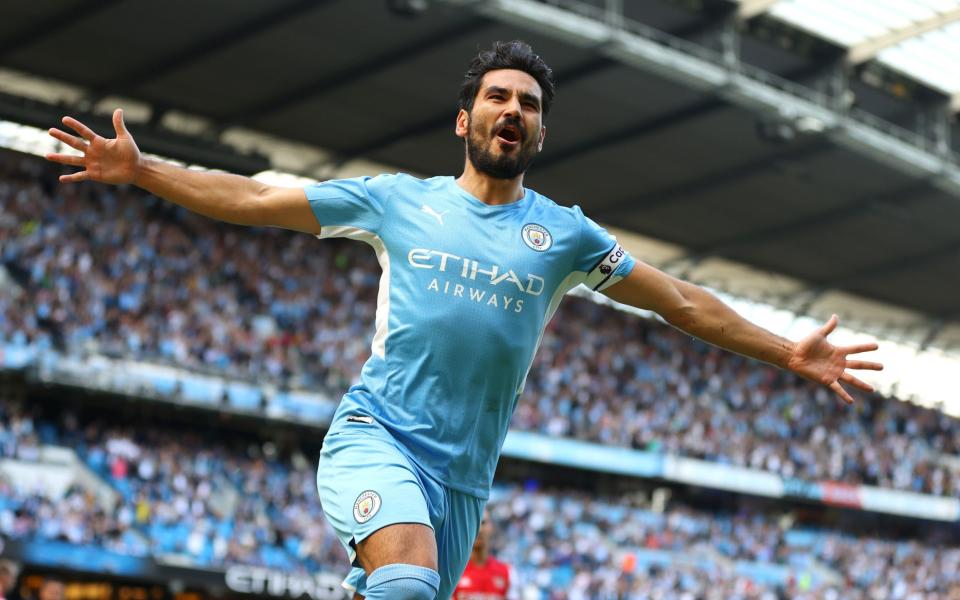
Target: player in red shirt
column 485, row 577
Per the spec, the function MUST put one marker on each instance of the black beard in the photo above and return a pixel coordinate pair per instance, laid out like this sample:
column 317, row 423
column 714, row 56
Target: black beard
column 503, row 167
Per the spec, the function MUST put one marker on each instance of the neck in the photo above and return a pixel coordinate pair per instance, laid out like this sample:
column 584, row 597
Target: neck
column 479, row 556
column 490, row 190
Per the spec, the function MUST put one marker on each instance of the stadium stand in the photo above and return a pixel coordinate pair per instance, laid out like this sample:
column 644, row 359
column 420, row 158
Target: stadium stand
column 237, row 500
column 282, row 307
column 247, row 338
column 91, row 258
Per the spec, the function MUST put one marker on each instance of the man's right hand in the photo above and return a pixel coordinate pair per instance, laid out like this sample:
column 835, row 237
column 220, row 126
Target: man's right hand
column 220, row 196
column 105, row 160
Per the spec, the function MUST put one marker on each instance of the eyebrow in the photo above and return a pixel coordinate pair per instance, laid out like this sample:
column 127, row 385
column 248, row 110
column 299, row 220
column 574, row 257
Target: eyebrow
column 495, row 89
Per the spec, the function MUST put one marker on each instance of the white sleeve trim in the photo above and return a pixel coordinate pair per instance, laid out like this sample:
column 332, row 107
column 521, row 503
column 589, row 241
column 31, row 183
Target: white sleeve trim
column 379, row 345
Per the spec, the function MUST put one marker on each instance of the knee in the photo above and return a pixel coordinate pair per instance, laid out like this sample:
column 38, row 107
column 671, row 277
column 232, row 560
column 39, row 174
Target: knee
column 402, row 582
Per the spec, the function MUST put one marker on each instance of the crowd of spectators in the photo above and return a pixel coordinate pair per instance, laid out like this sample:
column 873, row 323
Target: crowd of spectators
column 179, row 495
column 607, row 376
column 214, row 501
column 114, row 271
column 584, row 546
column 75, row 516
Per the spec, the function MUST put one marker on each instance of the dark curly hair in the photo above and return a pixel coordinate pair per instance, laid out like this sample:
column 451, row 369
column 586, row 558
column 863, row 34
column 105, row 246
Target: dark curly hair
column 507, row 55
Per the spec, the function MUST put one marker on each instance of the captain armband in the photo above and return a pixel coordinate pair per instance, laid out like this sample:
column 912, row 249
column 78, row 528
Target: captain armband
column 602, row 275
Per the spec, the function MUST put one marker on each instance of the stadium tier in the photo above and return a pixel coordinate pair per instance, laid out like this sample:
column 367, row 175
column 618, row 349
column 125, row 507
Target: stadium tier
column 184, row 498
column 279, row 307
column 113, row 273
column 195, row 410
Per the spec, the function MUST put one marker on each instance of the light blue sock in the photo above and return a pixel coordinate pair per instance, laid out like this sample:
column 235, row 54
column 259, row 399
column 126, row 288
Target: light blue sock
column 402, row 582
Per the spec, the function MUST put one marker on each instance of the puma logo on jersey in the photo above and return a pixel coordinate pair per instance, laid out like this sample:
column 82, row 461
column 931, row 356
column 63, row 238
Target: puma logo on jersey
column 433, row 213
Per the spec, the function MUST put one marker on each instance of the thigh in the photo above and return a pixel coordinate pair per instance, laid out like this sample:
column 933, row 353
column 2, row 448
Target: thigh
column 404, row 543
column 366, row 484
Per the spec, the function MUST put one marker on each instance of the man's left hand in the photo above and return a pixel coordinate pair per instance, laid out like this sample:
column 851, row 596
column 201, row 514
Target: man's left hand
column 817, row 359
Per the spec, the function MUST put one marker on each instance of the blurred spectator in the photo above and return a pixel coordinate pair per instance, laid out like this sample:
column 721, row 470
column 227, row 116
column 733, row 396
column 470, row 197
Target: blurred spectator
column 9, row 571
column 51, row 589
column 485, row 577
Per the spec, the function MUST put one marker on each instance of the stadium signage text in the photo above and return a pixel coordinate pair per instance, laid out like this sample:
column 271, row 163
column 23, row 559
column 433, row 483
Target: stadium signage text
column 841, row 494
column 267, row 582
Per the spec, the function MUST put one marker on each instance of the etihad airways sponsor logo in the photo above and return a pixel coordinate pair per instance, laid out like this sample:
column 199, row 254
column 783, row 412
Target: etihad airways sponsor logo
column 461, row 273
column 277, row 584
column 466, row 268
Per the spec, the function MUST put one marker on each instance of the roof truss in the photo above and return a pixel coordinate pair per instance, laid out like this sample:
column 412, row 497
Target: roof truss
column 869, row 48
column 751, row 8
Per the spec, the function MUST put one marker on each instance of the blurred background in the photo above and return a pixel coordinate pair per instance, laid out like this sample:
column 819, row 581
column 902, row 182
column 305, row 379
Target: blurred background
column 166, row 381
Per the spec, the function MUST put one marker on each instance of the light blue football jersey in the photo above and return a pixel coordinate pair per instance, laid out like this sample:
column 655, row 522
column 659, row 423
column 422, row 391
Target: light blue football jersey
column 466, row 291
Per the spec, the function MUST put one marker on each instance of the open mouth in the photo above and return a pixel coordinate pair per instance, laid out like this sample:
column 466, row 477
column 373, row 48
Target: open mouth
column 510, row 135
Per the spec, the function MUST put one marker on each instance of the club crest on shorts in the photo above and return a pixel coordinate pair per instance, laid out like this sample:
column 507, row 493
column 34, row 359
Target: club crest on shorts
column 367, row 505
column 536, row 237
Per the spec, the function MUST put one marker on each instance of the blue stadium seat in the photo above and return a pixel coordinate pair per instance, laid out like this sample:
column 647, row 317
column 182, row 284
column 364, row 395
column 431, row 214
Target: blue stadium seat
column 244, row 396
column 17, row 356
column 800, row 537
column 204, row 391
column 305, row 406
column 163, row 384
column 768, row 573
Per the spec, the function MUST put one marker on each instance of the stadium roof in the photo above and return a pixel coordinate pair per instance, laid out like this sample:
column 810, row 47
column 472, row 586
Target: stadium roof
column 720, row 127
column 919, row 38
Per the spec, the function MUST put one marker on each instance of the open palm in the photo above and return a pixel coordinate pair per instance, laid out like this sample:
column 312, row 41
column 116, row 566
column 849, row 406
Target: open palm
column 817, row 359
column 105, row 160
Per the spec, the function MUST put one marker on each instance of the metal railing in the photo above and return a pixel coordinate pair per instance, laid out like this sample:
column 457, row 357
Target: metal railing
column 610, row 13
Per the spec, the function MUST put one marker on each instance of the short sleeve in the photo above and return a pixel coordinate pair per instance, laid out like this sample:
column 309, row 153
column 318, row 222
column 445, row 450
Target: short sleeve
column 343, row 206
column 600, row 258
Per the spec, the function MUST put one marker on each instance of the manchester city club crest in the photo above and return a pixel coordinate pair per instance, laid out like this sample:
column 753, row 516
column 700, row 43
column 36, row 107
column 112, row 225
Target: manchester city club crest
column 536, row 237
column 367, row 505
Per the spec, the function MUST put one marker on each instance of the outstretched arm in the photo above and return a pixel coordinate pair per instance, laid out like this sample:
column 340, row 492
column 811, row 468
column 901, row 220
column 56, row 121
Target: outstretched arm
column 220, row 196
column 699, row 313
